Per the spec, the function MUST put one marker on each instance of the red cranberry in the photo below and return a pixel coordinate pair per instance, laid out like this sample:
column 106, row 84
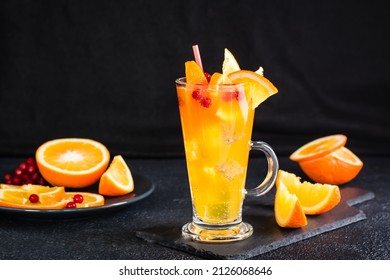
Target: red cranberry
column 41, row 181
column 34, row 198
column 31, row 169
column 208, row 76
column 18, row 172
column 78, row 198
column 196, row 95
column 240, row 95
column 23, row 166
column 30, row 161
column 229, row 95
column 205, row 101
column 71, row 204
column 8, row 176
column 16, row 180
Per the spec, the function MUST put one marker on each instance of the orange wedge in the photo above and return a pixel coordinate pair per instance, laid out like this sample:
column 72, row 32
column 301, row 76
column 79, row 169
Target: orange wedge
column 117, row 180
column 288, row 209
column 89, row 199
column 194, row 74
column 319, row 147
column 72, row 162
column 229, row 64
column 18, row 197
column 219, row 79
column 338, row 167
column 314, row 198
column 257, row 87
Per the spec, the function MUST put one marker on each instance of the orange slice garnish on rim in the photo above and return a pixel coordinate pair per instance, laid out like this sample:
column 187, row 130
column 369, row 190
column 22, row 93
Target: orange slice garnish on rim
column 194, row 74
column 257, row 87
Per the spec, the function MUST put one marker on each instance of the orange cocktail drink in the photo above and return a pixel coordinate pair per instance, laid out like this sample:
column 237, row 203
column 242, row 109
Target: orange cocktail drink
column 217, row 118
column 217, row 126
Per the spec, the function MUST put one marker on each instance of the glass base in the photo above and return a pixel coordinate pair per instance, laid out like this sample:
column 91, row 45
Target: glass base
column 217, row 234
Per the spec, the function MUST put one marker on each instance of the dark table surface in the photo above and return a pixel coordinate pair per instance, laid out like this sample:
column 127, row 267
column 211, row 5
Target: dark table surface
column 112, row 235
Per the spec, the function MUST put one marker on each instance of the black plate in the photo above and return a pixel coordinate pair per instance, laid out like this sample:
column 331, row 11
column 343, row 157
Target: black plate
column 143, row 187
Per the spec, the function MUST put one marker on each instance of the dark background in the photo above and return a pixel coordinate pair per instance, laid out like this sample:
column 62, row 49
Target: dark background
column 105, row 70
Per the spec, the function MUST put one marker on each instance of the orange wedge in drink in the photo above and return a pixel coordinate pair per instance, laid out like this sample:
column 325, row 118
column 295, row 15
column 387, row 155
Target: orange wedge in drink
column 229, row 64
column 257, row 87
column 314, row 198
column 194, row 74
column 117, row 180
column 72, row 162
column 327, row 161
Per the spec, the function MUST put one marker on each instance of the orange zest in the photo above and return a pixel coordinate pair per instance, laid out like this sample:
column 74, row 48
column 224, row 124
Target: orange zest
column 194, row 74
column 319, row 147
column 288, row 210
column 314, row 198
column 89, row 199
column 257, row 87
column 117, row 180
column 72, row 162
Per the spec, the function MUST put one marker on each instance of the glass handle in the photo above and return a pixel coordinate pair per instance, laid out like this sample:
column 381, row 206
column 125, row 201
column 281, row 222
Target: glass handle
column 273, row 167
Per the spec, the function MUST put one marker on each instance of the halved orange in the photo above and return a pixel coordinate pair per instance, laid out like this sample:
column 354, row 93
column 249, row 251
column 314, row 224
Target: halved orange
column 257, row 87
column 89, row 199
column 288, row 209
column 194, row 74
column 325, row 160
column 314, row 198
column 338, row 167
column 72, row 162
column 319, row 147
column 18, row 197
column 117, row 180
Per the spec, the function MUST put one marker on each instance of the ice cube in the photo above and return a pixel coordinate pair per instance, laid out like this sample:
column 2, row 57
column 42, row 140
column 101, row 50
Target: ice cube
column 230, row 169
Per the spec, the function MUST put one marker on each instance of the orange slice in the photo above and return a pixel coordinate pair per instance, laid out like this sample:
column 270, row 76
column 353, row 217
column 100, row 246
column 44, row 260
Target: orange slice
column 194, row 74
column 219, row 79
column 257, row 87
column 18, row 197
column 338, row 167
column 288, row 209
column 72, row 162
column 117, row 180
column 229, row 64
column 319, row 147
column 314, row 198
column 89, row 199
column 47, row 195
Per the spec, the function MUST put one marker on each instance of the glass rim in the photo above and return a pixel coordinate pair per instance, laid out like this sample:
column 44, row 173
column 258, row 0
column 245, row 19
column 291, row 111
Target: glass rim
column 182, row 82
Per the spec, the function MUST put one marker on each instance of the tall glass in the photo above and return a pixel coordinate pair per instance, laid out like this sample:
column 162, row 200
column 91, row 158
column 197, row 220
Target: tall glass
column 217, row 126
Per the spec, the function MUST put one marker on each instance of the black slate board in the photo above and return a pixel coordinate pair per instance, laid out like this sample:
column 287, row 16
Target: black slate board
column 267, row 234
